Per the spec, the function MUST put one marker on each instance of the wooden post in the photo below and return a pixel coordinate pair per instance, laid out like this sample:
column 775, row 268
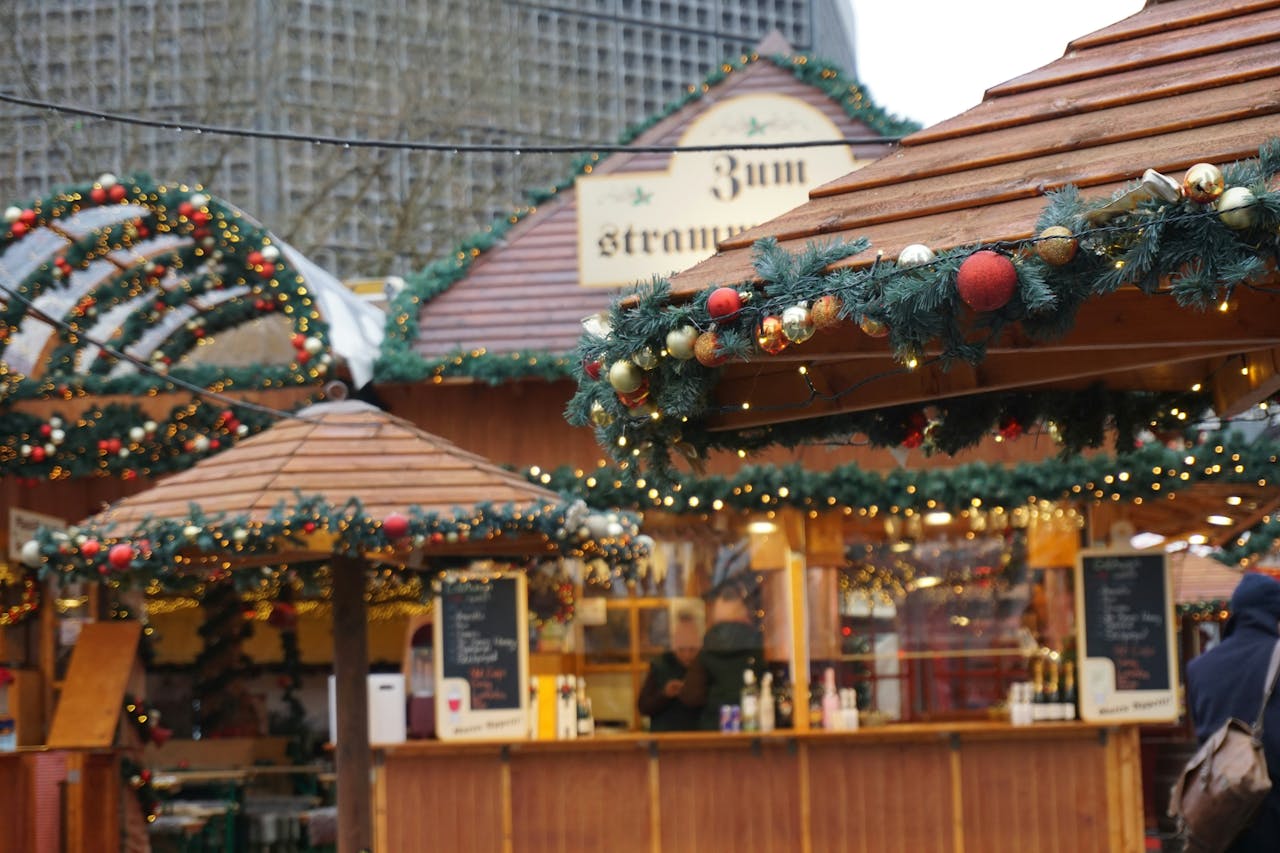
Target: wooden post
column 352, row 754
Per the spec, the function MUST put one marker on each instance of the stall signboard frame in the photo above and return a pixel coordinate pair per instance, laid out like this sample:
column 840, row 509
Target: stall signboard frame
column 1126, row 638
column 481, row 644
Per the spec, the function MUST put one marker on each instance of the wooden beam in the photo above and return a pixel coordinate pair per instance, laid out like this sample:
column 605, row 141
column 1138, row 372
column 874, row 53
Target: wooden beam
column 353, row 757
column 781, row 393
column 1244, row 384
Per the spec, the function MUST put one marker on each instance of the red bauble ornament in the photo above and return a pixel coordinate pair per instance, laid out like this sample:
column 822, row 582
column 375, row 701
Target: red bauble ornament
column 27, row 217
column 186, row 209
column 120, row 556
column 914, row 439
column 160, row 735
column 283, row 615
column 116, row 193
column 436, row 538
column 297, row 340
column 268, row 270
column 986, row 280
column 90, row 548
column 309, row 527
column 1010, row 428
column 18, row 229
column 200, row 218
column 98, row 195
column 592, row 368
column 723, row 303
column 37, row 454
column 395, row 525
column 707, row 350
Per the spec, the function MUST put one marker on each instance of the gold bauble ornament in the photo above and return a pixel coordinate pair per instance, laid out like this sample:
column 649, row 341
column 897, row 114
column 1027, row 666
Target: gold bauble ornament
column 680, row 342
column 1237, row 208
column 625, row 376
column 1056, row 245
column 645, row 358
column 707, row 350
column 797, row 324
column 914, row 255
column 826, row 311
column 1203, row 183
column 770, row 337
column 873, row 327
column 600, row 416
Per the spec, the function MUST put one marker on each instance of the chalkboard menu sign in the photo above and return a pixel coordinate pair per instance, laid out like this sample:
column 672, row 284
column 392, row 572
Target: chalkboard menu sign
column 1124, row 615
column 482, row 656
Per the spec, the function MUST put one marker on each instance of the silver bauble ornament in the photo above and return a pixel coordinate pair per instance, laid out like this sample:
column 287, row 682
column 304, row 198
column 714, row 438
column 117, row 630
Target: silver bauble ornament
column 1237, row 208
column 645, row 358
column 797, row 324
column 625, row 376
column 914, row 255
column 30, row 553
column 680, row 342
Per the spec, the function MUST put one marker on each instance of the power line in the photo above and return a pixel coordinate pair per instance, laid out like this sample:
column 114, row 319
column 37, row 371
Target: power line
column 411, row 145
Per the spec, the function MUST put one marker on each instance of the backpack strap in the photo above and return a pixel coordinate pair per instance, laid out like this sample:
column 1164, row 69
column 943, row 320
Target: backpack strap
column 1273, row 670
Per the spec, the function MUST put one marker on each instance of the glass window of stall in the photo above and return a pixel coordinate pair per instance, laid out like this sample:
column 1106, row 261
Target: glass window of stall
column 700, row 570
column 928, row 617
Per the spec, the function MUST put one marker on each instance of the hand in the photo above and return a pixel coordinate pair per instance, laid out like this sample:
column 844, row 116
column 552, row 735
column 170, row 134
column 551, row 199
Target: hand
column 672, row 688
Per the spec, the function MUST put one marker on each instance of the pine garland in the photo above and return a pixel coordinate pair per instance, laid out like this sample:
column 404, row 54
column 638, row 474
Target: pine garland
column 1185, row 243
column 181, row 555
column 16, row 614
column 399, row 362
column 121, row 439
column 220, row 255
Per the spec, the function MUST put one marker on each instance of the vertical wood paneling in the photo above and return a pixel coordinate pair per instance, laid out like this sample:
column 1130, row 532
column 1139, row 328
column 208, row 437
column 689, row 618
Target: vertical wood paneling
column 15, row 794
column 886, row 797
column 580, row 801
column 443, row 803
column 1046, row 796
column 730, row 799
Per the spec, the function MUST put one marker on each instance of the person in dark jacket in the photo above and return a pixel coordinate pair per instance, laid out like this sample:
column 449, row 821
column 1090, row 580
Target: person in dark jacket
column 1228, row 681
column 730, row 646
column 659, row 698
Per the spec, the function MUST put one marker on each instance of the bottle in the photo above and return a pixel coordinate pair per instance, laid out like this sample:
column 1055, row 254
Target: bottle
column 849, row 709
column 830, row 700
column 1038, row 706
column 566, row 714
column 785, row 716
column 586, row 725
column 8, row 734
column 1051, row 696
column 533, row 709
column 767, row 709
column 750, row 701
column 1069, row 690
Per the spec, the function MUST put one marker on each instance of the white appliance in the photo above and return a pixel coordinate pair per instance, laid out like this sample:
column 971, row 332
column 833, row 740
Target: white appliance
column 387, row 720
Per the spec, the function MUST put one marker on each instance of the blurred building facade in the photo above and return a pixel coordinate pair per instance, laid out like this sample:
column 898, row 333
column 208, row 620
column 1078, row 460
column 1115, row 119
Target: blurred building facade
column 512, row 72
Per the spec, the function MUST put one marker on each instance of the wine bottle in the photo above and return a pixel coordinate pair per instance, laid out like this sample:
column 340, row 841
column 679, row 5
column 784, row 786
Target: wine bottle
column 586, row 725
column 1069, row 690
column 784, row 701
column 750, row 702
column 768, row 712
column 830, row 700
column 1039, row 710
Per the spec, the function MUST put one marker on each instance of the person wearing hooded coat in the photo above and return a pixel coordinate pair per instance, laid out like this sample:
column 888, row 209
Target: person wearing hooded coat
column 1228, row 681
column 731, row 645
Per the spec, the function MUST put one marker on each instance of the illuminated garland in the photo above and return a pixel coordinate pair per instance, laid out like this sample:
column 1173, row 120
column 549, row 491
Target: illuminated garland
column 168, row 249
column 138, row 777
column 27, row 607
column 121, row 439
column 1148, row 473
column 399, row 362
column 1205, row 611
column 646, row 377
column 178, row 555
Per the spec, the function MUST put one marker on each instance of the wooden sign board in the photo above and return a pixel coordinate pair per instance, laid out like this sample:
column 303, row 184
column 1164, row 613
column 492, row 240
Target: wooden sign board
column 1124, row 622
column 482, row 657
column 93, row 691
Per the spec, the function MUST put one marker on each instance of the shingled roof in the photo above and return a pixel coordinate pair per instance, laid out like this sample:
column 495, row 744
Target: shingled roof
column 1178, row 83
column 339, row 451
column 522, row 294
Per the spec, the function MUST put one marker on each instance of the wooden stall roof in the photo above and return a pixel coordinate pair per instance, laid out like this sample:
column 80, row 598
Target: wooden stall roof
column 1178, row 83
column 337, row 450
column 523, row 294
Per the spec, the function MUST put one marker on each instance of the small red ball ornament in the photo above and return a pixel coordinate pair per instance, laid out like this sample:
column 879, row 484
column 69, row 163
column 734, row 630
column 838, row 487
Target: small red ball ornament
column 186, row 208
column 723, row 303
column 120, row 556
column 986, row 280
column 116, row 193
column 395, row 525
column 98, row 195
column 268, row 270
column 592, row 368
column 90, row 548
column 18, row 229
column 707, row 350
column 27, row 217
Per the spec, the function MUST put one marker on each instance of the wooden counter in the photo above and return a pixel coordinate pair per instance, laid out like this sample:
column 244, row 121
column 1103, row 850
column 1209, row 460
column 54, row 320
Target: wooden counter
column 946, row 788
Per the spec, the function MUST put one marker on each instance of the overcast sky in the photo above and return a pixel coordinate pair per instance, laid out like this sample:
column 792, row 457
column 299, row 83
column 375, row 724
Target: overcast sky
column 929, row 60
